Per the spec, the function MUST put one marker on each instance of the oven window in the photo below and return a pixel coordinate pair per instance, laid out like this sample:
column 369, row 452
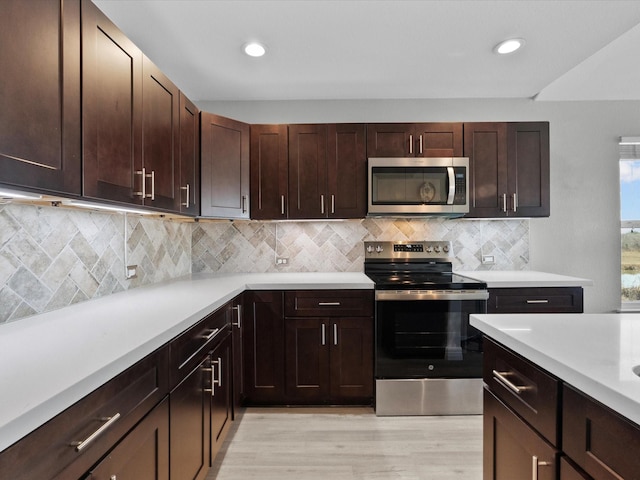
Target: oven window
column 409, row 185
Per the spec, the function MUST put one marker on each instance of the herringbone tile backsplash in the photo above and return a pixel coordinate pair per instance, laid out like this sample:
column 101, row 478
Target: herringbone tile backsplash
column 53, row 257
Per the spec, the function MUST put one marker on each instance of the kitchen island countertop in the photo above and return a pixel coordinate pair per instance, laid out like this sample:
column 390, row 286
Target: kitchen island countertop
column 594, row 353
column 51, row 360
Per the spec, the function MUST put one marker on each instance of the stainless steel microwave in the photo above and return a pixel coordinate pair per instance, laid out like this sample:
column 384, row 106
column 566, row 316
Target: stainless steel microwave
column 418, row 186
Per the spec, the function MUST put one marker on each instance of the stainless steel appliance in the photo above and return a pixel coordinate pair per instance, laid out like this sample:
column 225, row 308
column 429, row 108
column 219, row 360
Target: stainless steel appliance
column 418, row 186
column 428, row 358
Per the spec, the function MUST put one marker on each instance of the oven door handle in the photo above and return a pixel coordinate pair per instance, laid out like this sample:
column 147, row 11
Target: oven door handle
column 452, row 186
column 430, row 295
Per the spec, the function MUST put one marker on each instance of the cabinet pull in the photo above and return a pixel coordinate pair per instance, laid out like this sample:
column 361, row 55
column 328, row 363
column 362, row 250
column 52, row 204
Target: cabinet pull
column 410, row 143
column 322, row 204
column 211, row 334
column 538, row 301
column 323, row 335
column 143, row 175
column 79, row 446
column 186, row 204
column 216, row 381
column 420, row 144
column 504, row 202
column 328, row 304
column 333, row 204
column 501, row 377
column 282, row 204
column 244, row 204
column 535, row 463
column 152, row 176
column 515, row 202
column 238, row 309
column 335, row 334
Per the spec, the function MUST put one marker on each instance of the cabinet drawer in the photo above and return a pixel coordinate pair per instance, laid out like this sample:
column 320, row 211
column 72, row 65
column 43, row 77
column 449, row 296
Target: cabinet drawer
column 328, row 303
column 527, row 390
column 535, row 300
column 187, row 350
column 99, row 420
column 597, row 439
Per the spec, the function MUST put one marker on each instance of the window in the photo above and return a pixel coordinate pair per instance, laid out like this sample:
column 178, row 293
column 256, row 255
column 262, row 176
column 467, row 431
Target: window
column 630, row 221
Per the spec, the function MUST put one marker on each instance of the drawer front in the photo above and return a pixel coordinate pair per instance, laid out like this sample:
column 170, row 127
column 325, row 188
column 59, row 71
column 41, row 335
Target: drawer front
column 70, row 443
column 535, row 300
column 597, row 439
column 329, row 303
column 190, row 347
column 529, row 391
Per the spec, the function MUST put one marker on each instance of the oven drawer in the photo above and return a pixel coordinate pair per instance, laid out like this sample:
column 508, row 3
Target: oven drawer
column 535, row 300
column 529, row 391
column 329, row 303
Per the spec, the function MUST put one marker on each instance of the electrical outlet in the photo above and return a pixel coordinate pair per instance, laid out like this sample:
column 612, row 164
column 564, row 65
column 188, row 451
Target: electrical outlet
column 131, row 271
column 488, row 260
column 282, row 261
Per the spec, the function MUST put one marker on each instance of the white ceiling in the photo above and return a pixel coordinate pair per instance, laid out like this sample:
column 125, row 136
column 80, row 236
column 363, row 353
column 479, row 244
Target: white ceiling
column 374, row 49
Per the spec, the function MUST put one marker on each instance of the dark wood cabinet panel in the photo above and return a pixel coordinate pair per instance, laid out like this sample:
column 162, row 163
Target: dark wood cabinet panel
column 189, row 157
column 263, row 347
column 237, row 330
column 224, row 167
column 509, row 169
column 328, row 303
column 536, row 300
column 221, row 394
column 512, row 450
column 112, row 110
column 143, row 454
column 569, row 471
column 269, row 172
column 414, row 140
column 40, row 135
column 346, row 171
column 308, row 171
column 598, row 439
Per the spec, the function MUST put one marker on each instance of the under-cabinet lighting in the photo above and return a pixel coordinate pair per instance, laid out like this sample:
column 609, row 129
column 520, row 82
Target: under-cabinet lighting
column 629, row 141
column 508, row 46
column 108, row 208
column 7, row 193
column 254, row 49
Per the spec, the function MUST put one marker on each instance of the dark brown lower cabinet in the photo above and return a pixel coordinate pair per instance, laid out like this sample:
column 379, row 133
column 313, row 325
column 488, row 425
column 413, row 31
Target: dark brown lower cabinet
column 536, row 300
column 221, row 394
column 568, row 471
column 143, row 454
column 512, row 449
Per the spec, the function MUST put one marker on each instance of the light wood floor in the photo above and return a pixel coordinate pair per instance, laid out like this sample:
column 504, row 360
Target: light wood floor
column 349, row 443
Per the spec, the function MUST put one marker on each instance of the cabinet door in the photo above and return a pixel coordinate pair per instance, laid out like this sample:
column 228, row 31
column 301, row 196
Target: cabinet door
column 160, row 139
column 351, row 367
column 237, row 323
column 40, row 95
column 221, row 394
column 143, row 454
column 346, row 171
column 111, row 110
column 512, row 449
column 190, row 425
column 486, row 146
column 307, row 343
column 438, row 140
column 189, row 157
column 528, row 154
column 269, row 172
column 225, row 167
column 390, row 140
column 308, row 171
column 264, row 347
column 569, row 471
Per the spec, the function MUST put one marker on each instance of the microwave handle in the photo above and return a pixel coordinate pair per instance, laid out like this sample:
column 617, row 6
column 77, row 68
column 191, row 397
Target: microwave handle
column 452, row 186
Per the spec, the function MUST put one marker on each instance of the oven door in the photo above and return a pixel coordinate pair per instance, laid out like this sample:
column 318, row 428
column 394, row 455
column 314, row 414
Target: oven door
column 418, row 338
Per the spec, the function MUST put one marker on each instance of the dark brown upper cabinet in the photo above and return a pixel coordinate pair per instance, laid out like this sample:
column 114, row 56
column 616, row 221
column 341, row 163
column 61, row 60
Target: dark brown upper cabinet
column 346, row 170
column 224, row 167
column 509, row 169
column 130, row 120
column 40, row 144
column 269, row 172
column 414, row 140
column 189, row 157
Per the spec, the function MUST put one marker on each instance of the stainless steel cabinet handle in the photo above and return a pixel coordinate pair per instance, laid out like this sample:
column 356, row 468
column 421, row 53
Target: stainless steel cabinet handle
column 515, row 202
column 212, row 334
column 333, row 203
column 535, row 463
column 322, row 204
column 244, row 204
column 79, row 446
column 216, row 381
column 420, row 144
column 501, row 377
column 282, row 204
column 538, row 301
column 410, row 143
column 323, row 335
column 238, row 309
column 328, row 304
column 143, row 191
column 152, row 176
column 504, row 202
column 186, row 204
column 335, row 334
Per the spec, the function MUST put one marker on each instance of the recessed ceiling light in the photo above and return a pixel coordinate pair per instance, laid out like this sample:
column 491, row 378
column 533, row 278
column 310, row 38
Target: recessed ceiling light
column 254, row 49
column 508, row 46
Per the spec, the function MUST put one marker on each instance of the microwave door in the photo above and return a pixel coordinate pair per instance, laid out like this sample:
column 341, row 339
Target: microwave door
column 452, row 185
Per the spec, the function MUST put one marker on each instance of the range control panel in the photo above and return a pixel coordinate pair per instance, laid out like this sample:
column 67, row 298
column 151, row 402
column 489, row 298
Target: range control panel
column 440, row 249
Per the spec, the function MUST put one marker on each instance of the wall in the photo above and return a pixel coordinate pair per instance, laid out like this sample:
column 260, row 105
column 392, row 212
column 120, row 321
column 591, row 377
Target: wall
column 581, row 238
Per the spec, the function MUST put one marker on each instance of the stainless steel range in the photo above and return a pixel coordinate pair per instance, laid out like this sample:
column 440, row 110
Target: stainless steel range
column 428, row 359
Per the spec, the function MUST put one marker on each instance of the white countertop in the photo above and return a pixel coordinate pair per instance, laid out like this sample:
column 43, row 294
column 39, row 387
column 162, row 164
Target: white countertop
column 524, row 278
column 595, row 353
column 51, row 360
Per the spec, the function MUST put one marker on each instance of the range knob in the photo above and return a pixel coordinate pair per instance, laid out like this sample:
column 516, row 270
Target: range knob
column 379, row 249
column 370, row 249
column 436, row 249
column 428, row 249
column 445, row 248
